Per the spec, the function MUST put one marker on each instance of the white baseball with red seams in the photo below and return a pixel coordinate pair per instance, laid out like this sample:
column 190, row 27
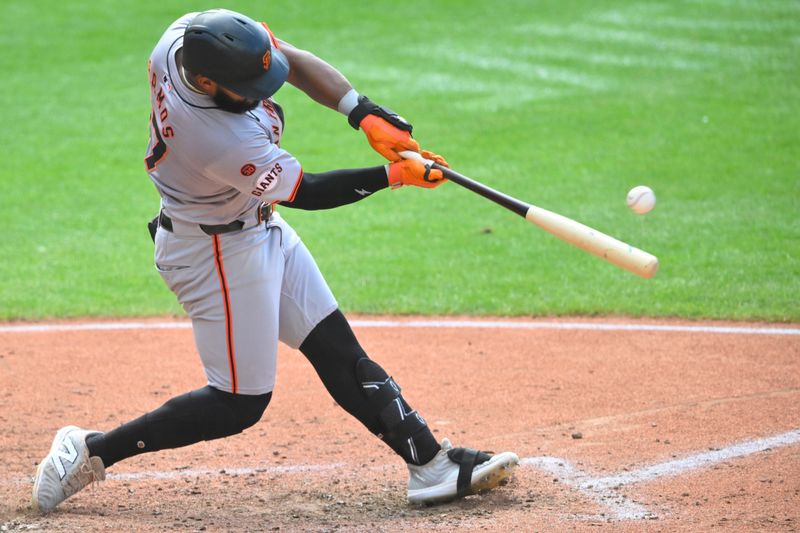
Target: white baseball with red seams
column 641, row 199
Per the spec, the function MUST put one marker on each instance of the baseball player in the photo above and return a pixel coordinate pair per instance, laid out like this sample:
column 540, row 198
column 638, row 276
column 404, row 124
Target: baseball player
column 241, row 272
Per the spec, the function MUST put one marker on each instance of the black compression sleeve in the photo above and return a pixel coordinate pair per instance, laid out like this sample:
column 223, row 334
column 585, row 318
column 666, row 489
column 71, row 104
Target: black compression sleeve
column 326, row 190
column 203, row 414
column 335, row 353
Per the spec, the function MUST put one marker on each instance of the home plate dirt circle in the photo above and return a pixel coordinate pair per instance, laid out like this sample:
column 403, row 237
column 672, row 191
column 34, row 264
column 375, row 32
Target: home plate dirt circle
column 620, row 424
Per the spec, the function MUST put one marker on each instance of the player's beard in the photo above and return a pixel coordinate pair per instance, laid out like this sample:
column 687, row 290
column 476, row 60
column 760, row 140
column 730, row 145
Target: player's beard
column 226, row 103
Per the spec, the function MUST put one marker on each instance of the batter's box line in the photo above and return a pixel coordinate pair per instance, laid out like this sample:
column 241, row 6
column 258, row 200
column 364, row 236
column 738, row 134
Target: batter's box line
column 602, row 489
column 605, row 489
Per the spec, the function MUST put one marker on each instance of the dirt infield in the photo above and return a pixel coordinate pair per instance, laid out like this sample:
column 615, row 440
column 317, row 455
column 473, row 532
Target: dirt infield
column 620, row 427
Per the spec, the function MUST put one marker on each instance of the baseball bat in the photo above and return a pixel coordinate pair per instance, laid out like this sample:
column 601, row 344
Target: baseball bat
column 588, row 239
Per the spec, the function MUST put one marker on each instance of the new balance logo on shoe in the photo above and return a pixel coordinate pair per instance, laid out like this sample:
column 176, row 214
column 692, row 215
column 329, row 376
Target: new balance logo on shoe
column 60, row 456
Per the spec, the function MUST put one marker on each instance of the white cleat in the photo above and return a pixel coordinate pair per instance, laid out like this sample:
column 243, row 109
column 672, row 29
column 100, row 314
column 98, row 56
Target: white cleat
column 457, row 472
column 66, row 469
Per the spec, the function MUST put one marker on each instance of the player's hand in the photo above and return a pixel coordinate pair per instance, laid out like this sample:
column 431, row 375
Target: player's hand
column 436, row 158
column 387, row 132
column 387, row 139
column 413, row 172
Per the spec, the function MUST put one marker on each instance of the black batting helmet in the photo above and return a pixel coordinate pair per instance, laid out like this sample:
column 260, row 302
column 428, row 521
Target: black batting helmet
column 236, row 52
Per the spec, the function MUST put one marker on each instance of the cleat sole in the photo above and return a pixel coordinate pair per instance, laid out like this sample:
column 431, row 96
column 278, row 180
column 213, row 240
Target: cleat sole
column 493, row 479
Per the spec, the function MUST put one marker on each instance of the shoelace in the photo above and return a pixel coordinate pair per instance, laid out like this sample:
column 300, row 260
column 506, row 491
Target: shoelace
column 83, row 477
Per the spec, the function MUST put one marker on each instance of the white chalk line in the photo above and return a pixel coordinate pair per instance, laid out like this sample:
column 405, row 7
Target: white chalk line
column 433, row 323
column 603, row 489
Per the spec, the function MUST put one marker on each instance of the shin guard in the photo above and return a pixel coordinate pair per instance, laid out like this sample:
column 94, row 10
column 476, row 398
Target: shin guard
column 402, row 428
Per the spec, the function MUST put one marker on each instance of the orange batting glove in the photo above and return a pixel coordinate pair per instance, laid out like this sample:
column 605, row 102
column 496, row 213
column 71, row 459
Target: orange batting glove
column 436, row 158
column 386, row 139
column 387, row 132
column 413, row 172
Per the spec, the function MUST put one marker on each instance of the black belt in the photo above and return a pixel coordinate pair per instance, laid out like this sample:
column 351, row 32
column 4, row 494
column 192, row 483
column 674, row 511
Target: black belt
column 262, row 215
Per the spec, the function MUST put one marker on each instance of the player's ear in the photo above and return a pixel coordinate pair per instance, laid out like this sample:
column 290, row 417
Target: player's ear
column 205, row 84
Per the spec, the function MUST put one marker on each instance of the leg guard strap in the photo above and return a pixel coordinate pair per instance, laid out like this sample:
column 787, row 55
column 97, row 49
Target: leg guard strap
column 379, row 399
column 403, row 430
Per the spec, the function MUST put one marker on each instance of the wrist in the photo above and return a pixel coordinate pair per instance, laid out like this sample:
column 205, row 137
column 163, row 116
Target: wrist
column 348, row 102
column 393, row 176
column 363, row 109
column 367, row 107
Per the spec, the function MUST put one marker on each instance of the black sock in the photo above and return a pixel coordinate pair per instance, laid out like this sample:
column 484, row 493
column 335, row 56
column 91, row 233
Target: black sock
column 202, row 414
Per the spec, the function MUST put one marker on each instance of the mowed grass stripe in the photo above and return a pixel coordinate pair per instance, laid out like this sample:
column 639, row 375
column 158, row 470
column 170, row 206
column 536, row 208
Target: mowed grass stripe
column 629, row 59
column 752, row 7
column 570, row 123
column 649, row 18
column 648, row 40
column 488, row 63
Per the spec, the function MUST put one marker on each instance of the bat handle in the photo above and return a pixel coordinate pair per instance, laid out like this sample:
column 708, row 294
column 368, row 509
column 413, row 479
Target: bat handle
column 408, row 154
column 509, row 202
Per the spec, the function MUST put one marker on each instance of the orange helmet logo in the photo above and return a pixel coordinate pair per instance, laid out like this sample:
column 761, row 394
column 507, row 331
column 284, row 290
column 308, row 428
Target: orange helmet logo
column 266, row 59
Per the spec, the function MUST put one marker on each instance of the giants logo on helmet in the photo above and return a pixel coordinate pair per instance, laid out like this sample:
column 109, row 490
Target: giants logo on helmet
column 267, row 181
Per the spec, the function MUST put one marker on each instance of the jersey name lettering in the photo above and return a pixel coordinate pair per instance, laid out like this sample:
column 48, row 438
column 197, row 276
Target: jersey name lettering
column 275, row 120
column 158, row 148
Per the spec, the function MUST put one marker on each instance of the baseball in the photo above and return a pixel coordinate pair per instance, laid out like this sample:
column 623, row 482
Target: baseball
column 641, row 199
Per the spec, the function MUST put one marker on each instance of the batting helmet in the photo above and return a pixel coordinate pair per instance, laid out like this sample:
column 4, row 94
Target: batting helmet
column 236, row 52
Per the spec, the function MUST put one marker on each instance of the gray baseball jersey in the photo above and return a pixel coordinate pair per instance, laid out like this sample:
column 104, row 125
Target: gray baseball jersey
column 246, row 289
column 211, row 166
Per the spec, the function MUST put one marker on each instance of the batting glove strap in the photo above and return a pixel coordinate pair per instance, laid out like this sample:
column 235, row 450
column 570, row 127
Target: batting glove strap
column 368, row 107
column 413, row 172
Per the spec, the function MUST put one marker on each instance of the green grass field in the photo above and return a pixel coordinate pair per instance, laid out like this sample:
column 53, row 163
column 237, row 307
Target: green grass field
column 566, row 104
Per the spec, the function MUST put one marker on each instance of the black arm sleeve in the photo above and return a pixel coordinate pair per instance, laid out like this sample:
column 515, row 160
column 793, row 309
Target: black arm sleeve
column 326, row 190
